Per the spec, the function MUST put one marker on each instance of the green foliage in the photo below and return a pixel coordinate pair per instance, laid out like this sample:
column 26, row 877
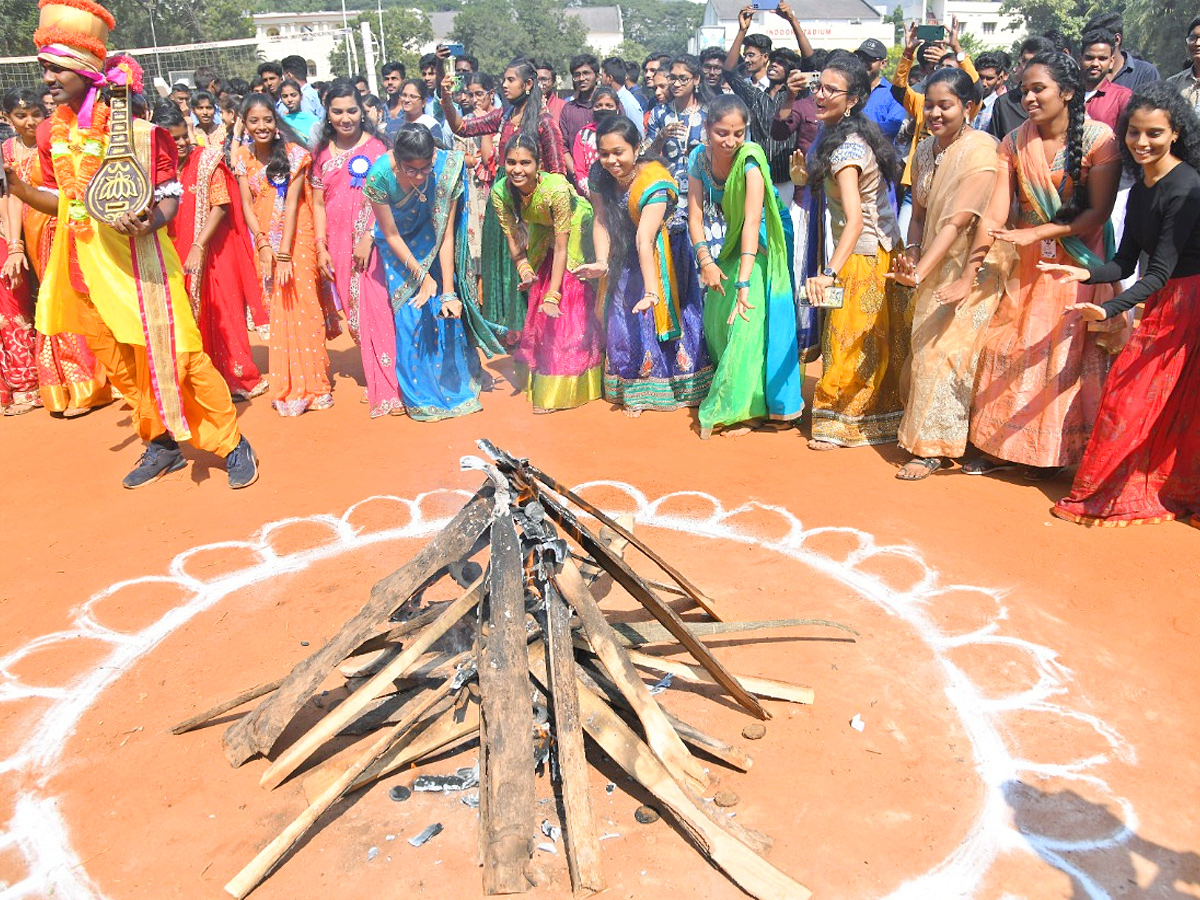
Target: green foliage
column 1067, row 16
column 496, row 31
column 405, row 32
column 661, row 26
column 1155, row 30
column 631, row 50
column 897, row 20
column 178, row 22
column 18, row 19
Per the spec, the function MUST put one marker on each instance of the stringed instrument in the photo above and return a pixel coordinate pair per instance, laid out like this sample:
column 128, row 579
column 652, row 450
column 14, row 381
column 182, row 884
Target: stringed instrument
column 121, row 184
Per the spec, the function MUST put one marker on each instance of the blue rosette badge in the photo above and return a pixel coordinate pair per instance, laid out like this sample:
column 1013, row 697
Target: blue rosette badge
column 359, row 166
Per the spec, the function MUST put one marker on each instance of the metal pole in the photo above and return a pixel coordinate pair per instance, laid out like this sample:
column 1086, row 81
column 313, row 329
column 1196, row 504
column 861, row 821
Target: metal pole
column 382, row 33
column 369, row 59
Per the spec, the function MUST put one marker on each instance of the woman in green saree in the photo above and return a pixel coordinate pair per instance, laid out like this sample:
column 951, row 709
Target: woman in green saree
column 741, row 247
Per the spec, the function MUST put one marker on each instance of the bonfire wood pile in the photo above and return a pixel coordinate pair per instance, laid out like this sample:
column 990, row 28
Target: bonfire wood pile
column 537, row 639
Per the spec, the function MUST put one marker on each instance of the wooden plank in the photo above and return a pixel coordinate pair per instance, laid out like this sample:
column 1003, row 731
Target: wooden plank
column 579, row 827
column 350, row 708
column 637, row 589
column 257, row 732
column 659, row 733
column 225, row 706
column 527, row 469
column 259, row 867
column 436, row 733
column 735, row 757
column 747, row 869
column 760, row 687
column 506, row 821
column 638, row 633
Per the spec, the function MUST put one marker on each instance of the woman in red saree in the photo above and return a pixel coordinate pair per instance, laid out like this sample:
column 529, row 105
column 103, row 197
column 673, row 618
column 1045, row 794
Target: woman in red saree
column 1142, row 464
column 209, row 233
column 69, row 379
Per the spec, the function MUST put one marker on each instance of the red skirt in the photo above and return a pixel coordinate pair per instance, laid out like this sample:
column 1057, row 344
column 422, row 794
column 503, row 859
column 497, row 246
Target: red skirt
column 1142, row 464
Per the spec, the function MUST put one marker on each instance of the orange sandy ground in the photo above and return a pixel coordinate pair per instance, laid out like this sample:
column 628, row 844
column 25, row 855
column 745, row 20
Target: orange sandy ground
column 853, row 815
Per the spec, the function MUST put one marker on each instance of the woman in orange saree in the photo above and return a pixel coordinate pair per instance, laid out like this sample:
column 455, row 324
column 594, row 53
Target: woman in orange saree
column 273, row 174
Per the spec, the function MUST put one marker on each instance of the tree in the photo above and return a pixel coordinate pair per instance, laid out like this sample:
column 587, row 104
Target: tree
column 1156, row 31
column 1067, row 16
column 18, row 19
column 177, row 22
column 660, row 25
column 497, row 31
column 897, row 20
column 405, row 32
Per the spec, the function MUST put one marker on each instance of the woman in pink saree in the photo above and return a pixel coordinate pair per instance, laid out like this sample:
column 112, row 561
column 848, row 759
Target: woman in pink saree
column 346, row 253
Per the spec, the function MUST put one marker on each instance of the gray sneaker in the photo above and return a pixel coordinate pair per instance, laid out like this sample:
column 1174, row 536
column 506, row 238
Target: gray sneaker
column 156, row 462
column 242, row 465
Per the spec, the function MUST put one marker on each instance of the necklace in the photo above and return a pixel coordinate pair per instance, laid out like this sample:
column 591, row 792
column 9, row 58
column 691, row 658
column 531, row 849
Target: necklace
column 937, row 160
column 628, row 179
column 73, row 179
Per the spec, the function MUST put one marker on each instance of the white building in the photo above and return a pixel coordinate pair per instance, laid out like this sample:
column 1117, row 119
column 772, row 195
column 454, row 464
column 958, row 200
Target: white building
column 604, row 25
column 311, row 35
column 829, row 24
column 980, row 18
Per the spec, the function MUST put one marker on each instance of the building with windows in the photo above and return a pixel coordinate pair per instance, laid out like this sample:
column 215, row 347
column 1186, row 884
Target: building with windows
column 827, row 23
column 982, row 19
column 312, row 35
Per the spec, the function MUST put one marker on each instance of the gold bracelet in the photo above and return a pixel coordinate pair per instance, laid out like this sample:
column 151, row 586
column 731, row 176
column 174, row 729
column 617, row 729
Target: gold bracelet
column 554, row 297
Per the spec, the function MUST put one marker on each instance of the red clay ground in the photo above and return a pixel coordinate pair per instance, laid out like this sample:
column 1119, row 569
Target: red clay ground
column 853, row 815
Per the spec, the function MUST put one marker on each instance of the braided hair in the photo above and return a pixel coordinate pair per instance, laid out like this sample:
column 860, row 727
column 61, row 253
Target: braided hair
column 858, row 84
column 1064, row 72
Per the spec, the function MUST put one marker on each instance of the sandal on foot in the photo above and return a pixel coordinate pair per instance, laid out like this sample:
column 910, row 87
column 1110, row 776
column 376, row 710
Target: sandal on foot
column 815, row 444
column 923, row 467
column 984, row 465
column 1040, row 473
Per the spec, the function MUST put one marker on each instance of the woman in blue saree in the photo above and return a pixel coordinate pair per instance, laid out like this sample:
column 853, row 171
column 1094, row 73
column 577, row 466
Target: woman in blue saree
column 418, row 193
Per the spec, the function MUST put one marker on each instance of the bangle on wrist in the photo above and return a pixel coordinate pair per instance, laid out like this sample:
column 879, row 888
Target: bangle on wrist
column 741, row 284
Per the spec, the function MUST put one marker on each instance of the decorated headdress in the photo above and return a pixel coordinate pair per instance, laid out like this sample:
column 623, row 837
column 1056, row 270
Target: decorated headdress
column 73, row 34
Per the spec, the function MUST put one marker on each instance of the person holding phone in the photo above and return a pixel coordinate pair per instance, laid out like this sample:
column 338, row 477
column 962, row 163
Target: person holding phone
column 864, row 343
column 417, row 192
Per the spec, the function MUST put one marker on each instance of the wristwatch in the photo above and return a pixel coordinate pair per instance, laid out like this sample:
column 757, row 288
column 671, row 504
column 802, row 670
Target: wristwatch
column 829, row 273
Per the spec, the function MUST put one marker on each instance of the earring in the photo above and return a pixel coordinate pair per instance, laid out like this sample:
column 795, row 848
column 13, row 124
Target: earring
column 846, row 114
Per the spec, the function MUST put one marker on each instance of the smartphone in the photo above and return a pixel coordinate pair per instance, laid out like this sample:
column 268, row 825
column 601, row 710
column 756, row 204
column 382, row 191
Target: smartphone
column 768, row 5
column 834, row 298
column 456, row 50
column 931, row 33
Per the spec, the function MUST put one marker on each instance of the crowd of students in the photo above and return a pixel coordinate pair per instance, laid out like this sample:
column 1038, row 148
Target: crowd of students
column 959, row 246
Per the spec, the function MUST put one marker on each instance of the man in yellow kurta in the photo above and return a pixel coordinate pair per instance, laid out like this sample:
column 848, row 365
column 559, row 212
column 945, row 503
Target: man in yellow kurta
column 122, row 285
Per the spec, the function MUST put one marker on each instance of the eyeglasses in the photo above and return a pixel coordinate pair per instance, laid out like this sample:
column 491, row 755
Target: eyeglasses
column 1192, row 39
column 827, row 90
column 713, row 67
column 679, row 79
column 422, row 172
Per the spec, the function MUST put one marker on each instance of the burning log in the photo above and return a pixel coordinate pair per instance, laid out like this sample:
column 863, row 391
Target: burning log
column 538, row 631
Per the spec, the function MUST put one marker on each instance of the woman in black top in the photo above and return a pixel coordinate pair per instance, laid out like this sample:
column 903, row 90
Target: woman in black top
column 1142, row 464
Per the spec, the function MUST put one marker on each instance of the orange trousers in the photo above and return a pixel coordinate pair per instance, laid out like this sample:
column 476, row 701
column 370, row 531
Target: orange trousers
column 207, row 405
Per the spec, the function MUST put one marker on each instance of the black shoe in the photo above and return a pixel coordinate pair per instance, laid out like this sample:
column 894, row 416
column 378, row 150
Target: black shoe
column 984, row 465
column 242, row 465
column 156, row 462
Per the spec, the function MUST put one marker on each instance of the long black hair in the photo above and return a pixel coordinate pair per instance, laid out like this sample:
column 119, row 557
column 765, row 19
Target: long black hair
column 534, row 105
column 21, row 98
column 1064, row 71
column 1182, row 115
column 723, row 105
column 616, row 219
column 858, row 84
column 344, row 87
column 520, row 141
column 279, row 167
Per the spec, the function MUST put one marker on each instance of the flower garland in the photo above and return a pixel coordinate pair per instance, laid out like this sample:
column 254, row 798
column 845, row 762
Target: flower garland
column 72, row 179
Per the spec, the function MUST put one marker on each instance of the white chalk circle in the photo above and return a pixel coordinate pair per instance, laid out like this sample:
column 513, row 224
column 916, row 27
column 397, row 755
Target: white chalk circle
column 39, row 834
